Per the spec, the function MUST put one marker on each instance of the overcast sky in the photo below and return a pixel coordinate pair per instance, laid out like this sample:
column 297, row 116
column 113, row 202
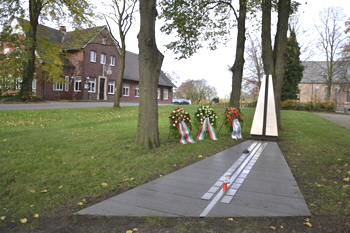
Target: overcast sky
column 213, row 65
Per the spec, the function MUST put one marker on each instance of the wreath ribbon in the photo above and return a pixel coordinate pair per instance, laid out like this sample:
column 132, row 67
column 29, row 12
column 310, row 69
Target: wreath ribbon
column 203, row 130
column 185, row 135
column 236, row 129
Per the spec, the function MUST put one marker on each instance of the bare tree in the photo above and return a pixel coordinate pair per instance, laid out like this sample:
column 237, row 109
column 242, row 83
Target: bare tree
column 122, row 16
column 254, row 69
column 331, row 36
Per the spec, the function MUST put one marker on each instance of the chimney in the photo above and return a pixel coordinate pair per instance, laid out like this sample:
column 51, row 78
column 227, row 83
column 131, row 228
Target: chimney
column 62, row 28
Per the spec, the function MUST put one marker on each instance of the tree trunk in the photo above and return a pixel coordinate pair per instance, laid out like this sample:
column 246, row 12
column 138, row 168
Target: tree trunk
column 237, row 68
column 267, row 53
column 280, row 56
column 275, row 60
column 150, row 63
column 118, row 87
column 30, row 44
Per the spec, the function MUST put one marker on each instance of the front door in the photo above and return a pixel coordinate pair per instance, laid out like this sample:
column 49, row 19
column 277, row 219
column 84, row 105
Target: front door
column 102, row 89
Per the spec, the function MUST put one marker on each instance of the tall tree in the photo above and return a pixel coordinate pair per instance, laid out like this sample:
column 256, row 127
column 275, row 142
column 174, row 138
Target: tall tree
column 237, row 68
column 78, row 10
column 331, row 37
column 274, row 58
column 196, row 21
column 294, row 69
column 150, row 63
column 122, row 16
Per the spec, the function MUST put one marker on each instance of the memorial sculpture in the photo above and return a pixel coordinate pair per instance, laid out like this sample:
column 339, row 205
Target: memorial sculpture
column 264, row 126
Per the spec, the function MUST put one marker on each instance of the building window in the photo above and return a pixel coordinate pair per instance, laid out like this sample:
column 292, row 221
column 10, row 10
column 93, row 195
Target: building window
column 137, row 91
column 348, row 97
column 92, row 84
column 111, row 85
column 158, row 93
column 112, row 61
column 104, row 40
column 93, row 56
column 77, row 83
column 103, row 58
column 165, row 94
column 126, row 89
column 66, row 86
column 58, row 86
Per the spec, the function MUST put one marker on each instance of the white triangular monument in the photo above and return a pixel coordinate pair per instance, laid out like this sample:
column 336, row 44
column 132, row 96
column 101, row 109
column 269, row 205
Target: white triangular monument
column 264, row 125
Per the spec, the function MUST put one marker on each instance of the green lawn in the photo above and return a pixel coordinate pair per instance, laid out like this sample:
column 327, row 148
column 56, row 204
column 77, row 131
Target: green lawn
column 55, row 162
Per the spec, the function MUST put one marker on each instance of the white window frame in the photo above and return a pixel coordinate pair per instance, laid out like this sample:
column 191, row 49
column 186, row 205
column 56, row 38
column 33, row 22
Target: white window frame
column 111, row 87
column 137, row 91
column 57, row 86
column 77, row 84
column 103, row 58
column 158, row 93
column 93, row 55
column 112, row 61
column 126, row 89
column 66, row 86
column 104, row 40
column 92, row 85
column 165, row 94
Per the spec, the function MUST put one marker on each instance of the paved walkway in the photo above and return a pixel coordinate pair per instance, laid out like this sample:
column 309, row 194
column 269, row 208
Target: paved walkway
column 260, row 184
column 340, row 119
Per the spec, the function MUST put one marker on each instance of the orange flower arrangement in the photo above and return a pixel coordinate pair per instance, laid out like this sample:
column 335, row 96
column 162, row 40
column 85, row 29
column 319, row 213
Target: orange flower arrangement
column 232, row 113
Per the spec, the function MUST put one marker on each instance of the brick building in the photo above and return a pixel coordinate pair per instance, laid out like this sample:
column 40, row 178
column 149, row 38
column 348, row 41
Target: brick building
column 91, row 68
column 313, row 85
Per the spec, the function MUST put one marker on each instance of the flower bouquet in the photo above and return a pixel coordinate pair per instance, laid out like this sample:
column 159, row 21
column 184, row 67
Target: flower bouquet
column 180, row 125
column 206, row 118
column 233, row 122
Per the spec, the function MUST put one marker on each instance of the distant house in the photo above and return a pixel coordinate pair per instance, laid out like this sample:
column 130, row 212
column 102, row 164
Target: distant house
column 91, row 68
column 313, row 84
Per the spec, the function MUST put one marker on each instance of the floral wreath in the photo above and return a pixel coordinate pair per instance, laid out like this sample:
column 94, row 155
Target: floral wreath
column 176, row 117
column 206, row 112
column 232, row 113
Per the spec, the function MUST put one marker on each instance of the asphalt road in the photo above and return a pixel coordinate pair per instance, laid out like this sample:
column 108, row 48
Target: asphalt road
column 54, row 104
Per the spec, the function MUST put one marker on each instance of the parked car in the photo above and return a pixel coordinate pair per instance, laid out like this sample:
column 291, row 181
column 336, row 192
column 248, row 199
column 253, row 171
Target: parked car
column 181, row 101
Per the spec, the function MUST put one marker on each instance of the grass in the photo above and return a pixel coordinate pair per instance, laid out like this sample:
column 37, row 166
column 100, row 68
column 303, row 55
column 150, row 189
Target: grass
column 51, row 160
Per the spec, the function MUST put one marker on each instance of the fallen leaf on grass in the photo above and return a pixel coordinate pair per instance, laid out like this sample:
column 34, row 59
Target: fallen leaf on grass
column 104, row 184
column 200, row 156
column 23, row 220
column 3, row 217
column 347, row 179
column 272, row 227
column 80, row 203
column 32, row 190
column 308, row 224
column 44, row 191
column 230, row 219
column 135, row 229
column 36, row 216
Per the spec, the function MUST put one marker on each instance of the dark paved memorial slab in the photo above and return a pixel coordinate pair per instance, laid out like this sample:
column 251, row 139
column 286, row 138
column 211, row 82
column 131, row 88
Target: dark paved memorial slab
column 260, row 183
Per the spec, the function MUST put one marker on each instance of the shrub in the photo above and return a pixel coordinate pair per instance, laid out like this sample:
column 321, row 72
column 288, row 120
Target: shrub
column 289, row 104
column 309, row 106
column 329, row 106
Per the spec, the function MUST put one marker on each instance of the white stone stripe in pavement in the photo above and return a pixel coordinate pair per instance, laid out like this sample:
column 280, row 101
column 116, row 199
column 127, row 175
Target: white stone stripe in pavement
column 244, row 164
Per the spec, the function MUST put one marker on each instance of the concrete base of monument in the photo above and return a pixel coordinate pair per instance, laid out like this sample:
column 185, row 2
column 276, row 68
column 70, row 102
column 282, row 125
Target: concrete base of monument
column 264, row 138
